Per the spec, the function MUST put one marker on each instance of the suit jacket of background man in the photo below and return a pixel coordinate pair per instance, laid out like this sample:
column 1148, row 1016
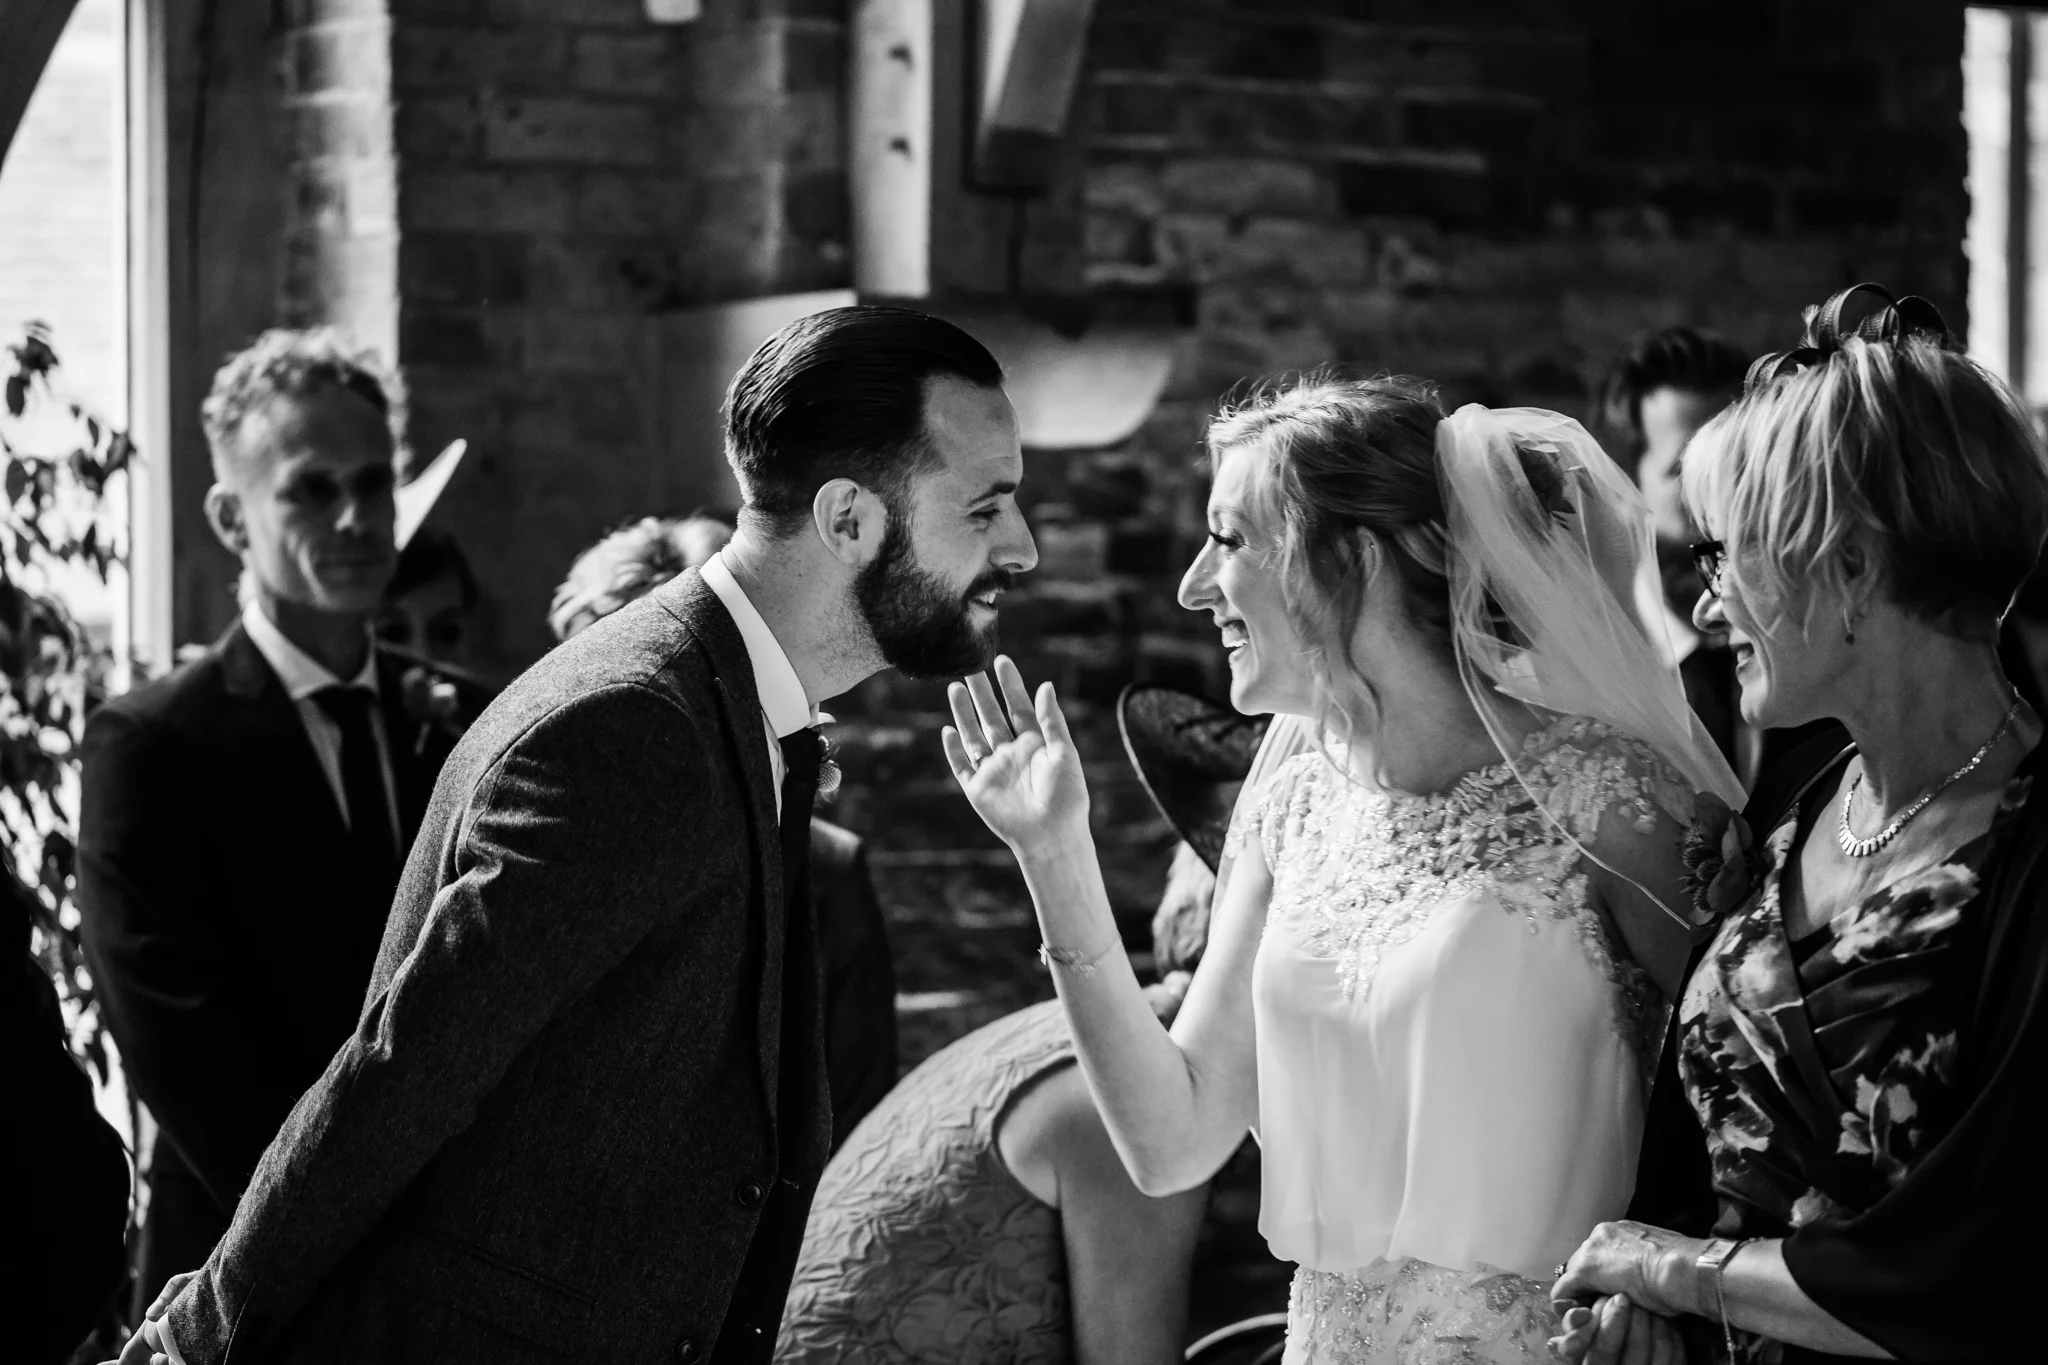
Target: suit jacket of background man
column 552, row 1132
column 229, row 932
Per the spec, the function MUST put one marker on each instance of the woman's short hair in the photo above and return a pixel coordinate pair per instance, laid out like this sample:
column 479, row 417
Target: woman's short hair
column 1911, row 451
column 630, row 563
column 1338, row 456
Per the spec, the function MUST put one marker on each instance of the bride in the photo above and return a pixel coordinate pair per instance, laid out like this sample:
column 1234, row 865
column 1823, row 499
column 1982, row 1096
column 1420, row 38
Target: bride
column 1438, row 969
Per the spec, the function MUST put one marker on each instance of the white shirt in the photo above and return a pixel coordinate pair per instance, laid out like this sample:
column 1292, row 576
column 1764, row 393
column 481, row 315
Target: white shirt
column 303, row 678
column 784, row 707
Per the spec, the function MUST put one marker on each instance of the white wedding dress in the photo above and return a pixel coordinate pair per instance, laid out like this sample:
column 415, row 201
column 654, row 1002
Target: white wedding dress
column 1452, row 1043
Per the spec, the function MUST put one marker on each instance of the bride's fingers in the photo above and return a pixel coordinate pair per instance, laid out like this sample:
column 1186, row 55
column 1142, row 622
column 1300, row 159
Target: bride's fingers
column 972, row 740
column 993, row 723
column 956, row 755
column 1051, row 719
column 1016, row 696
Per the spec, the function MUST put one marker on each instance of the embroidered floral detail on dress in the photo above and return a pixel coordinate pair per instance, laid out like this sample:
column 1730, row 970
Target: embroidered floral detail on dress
column 1364, row 872
column 1409, row 1312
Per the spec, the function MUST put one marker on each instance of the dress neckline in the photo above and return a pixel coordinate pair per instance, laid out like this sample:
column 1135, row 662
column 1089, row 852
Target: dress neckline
column 1474, row 785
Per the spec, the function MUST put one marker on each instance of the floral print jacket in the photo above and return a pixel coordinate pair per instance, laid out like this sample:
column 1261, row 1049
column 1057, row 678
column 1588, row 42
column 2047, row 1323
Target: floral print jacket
column 1824, row 1071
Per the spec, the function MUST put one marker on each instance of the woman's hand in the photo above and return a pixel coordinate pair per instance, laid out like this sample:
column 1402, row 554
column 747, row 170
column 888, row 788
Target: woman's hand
column 1651, row 1266
column 1021, row 773
column 1616, row 1332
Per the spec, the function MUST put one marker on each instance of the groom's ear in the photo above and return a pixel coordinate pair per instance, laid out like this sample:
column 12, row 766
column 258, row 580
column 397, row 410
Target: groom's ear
column 850, row 521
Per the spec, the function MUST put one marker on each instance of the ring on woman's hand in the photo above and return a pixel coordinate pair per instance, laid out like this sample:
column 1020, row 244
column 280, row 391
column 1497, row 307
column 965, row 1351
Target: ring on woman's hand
column 1559, row 1272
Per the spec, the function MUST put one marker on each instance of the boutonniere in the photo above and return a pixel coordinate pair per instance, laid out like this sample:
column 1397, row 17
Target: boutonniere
column 433, row 703
column 1723, row 866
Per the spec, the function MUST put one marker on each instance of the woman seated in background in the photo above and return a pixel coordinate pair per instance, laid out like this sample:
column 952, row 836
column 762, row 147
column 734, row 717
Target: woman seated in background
column 860, row 974
column 1844, row 1160
column 980, row 1213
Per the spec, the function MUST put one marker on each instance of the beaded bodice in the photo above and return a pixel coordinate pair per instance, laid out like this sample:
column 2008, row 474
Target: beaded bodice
column 1358, row 873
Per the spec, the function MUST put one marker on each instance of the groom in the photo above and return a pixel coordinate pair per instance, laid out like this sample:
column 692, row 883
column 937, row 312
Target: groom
column 584, row 1110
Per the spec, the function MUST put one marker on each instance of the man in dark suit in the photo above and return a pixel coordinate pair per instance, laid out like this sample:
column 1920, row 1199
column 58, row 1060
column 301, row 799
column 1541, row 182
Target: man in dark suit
column 860, row 973
column 584, row 1110
column 245, row 818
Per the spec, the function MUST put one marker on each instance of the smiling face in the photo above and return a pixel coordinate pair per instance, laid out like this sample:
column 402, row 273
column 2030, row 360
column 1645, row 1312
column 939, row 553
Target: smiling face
column 306, row 500
column 955, row 543
column 1790, row 652
column 1237, row 580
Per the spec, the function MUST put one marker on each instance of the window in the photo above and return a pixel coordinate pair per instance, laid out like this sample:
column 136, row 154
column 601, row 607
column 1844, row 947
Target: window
column 2005, row 115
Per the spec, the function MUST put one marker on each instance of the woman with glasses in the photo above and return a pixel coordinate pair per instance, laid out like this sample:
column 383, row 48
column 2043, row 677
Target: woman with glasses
column 1843, row 1159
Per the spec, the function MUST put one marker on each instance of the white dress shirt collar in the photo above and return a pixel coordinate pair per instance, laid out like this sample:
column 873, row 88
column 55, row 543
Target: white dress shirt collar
column 782, row 694
column 301, row 674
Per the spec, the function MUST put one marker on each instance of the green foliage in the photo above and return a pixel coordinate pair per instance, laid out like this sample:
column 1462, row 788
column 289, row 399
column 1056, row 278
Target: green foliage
column 56, row 525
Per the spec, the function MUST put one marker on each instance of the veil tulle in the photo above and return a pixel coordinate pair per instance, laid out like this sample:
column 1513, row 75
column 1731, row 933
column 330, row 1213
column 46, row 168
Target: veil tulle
column 1549, row 545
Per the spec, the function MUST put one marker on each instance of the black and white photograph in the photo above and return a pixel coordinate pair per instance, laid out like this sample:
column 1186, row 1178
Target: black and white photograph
column 1025, row 682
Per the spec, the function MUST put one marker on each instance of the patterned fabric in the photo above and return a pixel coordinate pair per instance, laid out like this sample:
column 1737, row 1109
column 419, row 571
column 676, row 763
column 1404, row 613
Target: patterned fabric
column 922, row 1246
column 1824, row 1071
column 1364, row 872
column 1452, row 1042
column 1417, row 1314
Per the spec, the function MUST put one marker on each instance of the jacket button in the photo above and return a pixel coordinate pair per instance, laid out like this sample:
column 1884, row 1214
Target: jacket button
column 687, row 1352
column 751, row 1194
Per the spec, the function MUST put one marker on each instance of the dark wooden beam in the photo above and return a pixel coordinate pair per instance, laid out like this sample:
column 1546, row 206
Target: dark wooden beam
column 29, row 30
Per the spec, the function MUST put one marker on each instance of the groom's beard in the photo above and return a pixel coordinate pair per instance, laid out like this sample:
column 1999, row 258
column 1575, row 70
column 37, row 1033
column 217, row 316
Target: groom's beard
column 921, row 625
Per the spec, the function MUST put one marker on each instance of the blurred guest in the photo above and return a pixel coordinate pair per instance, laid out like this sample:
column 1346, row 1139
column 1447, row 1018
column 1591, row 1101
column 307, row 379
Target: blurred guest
column 1842, row 1156
column 71, row 1213
column 631, row 562
column 431, row 601
column 860, row 975
column 245, row 818
column 981, row 1212
column 1665, row 389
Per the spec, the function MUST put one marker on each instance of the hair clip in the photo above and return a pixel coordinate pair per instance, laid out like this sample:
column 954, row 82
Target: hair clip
column 1893, row 320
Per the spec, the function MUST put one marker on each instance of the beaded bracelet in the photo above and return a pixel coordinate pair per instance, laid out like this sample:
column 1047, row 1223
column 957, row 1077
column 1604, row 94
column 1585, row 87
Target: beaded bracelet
column 1073, row 958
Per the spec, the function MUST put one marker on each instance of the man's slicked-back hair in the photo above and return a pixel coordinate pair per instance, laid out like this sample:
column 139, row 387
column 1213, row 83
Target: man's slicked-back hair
column 1688, row 359
column 840, row 395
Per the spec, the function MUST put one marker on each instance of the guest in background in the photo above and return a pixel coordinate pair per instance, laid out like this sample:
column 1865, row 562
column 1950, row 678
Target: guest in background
column 431, row 603
column 69, row 1222
column 630, row 563
column 1665, row 389
column 981, row 1213
column 244, row 819
column 860, row 974
column 1842, row 1158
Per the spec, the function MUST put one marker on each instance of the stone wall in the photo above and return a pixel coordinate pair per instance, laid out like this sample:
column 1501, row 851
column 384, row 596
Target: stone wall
column 1492, row 195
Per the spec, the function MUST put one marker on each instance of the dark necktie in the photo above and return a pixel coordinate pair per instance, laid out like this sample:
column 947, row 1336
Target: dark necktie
column 362, row 782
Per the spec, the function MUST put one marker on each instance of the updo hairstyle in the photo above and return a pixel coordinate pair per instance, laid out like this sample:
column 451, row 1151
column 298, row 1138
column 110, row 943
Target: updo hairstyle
column 1336, row 456
column 1904, row 446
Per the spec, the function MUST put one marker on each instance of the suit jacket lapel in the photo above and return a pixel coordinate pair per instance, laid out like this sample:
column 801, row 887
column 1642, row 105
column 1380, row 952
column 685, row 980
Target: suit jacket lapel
column 692, row 601
column 265, row 718
column 414, row 745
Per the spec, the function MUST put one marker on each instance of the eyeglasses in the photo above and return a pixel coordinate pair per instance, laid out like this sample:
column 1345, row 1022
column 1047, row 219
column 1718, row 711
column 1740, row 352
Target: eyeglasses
column 1710, row 557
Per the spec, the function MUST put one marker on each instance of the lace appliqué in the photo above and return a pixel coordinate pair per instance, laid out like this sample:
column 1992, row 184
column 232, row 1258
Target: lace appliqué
column 1409, row 1312
column 1364, row 872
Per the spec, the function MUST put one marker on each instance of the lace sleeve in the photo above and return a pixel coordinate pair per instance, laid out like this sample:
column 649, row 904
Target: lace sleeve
column 1597, row 782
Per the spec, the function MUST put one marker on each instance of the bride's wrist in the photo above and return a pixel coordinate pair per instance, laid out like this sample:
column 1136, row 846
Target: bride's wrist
column 1053, row 847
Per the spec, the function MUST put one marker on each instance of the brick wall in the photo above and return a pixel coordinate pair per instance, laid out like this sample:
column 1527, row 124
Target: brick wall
column 1495, row 196
column 568, row 173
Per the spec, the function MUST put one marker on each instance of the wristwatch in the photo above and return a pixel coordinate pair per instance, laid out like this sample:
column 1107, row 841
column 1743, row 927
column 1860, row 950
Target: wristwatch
column 1713, row 1262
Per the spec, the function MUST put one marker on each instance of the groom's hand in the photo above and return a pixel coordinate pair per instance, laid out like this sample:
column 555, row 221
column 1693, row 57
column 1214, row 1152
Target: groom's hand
column 1021, row 772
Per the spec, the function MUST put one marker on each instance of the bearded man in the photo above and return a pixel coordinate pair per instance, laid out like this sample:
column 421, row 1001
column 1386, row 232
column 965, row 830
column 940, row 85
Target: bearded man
column 585, row 1108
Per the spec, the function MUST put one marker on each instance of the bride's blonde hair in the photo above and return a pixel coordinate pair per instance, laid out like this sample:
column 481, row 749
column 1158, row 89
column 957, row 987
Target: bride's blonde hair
column 1339, row 456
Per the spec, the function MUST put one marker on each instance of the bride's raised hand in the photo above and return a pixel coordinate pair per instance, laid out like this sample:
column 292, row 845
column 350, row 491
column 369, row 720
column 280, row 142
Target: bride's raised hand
column 1020, row 771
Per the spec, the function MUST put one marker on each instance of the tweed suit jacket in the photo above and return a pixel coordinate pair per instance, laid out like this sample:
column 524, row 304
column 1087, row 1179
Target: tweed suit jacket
column 550, row 1134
